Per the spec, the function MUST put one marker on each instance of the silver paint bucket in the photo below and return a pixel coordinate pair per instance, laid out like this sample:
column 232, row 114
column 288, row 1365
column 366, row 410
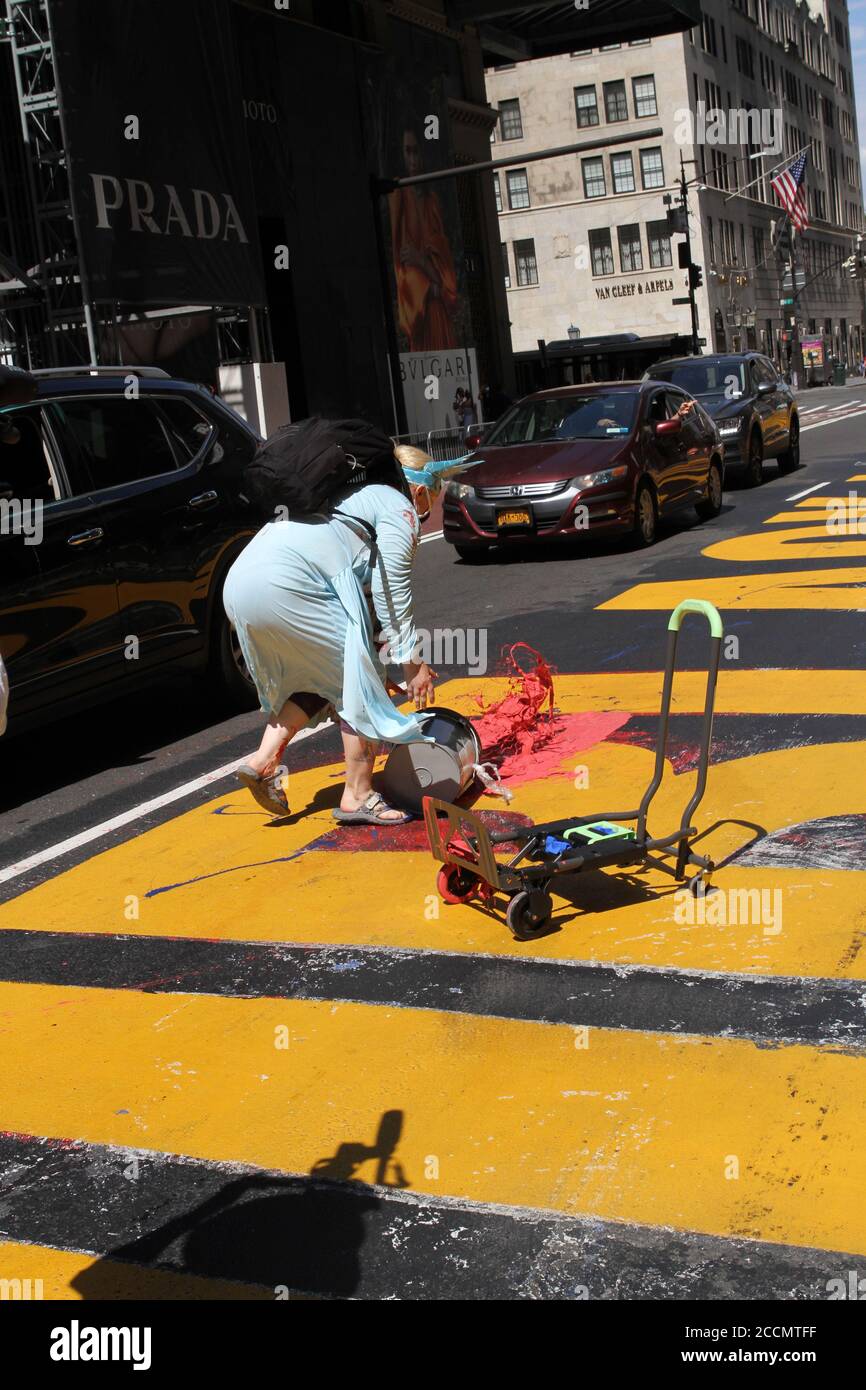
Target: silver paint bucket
column 442, row 769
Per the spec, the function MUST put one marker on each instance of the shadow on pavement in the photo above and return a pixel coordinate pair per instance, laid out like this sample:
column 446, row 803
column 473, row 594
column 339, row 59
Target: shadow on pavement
column 291, row 1235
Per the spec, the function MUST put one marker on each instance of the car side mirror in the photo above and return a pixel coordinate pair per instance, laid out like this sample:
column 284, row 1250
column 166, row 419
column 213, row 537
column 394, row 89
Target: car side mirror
column 474, row 436
column 672, row 426
column 765, row 387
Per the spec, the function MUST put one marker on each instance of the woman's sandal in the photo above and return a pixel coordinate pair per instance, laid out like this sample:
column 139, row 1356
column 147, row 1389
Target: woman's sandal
column 266, row 790
column 370, row 812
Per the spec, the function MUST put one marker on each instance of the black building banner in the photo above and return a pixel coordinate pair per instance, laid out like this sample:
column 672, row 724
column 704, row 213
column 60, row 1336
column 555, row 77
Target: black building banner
column 155, row 140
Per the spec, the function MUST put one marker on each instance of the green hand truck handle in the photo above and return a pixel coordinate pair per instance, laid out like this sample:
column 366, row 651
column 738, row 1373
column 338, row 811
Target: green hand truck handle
column 717, row 632
column 697, row 605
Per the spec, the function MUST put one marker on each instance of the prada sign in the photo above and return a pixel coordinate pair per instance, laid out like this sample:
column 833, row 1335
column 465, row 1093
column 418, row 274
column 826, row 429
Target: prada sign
column 137, row 206
column 159, row 170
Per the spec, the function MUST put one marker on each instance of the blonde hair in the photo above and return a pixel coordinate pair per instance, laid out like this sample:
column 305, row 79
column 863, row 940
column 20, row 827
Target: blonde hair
column 410, row 457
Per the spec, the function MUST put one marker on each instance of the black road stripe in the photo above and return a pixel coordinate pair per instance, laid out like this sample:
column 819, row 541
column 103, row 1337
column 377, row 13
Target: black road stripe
column 333, row 1239
column 763, row 1009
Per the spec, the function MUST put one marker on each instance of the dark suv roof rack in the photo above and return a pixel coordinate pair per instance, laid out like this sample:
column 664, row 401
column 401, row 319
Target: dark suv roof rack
column 43, row 372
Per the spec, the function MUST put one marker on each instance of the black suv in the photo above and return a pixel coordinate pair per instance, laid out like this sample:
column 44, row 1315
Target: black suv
column 120, row 515
column 754, row 408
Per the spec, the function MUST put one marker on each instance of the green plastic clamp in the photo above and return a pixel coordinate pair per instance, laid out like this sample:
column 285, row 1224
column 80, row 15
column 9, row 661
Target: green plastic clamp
column 697, row 605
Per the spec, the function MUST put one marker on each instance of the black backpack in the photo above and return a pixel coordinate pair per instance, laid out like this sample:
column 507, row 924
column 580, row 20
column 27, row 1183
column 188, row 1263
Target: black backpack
column 305, row 467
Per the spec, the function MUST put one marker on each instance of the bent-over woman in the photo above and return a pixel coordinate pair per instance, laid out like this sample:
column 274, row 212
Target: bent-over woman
column 296, row 596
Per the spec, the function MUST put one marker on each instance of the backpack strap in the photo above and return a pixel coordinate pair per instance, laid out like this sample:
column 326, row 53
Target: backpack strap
column 368, row 532
column 364, row 530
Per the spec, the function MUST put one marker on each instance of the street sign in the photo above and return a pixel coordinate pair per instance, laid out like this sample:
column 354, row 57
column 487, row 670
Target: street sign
column 681, row 301
column 786, row 301
column 702, row 342
column 799, row 283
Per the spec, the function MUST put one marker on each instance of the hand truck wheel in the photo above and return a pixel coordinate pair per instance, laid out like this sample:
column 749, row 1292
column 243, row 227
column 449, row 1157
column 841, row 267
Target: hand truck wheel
column 529, row 913
column 456, row 884
column 699, row 883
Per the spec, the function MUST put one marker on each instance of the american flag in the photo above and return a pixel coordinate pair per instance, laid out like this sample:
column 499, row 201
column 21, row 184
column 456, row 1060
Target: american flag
column 788, row 184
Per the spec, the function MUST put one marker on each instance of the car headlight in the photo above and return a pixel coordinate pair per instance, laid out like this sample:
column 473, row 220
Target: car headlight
column 728, row 431
column 459, row 490
column 608, row 475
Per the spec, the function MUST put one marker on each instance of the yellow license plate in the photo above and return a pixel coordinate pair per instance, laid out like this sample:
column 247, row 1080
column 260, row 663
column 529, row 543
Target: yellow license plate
column 516, row 518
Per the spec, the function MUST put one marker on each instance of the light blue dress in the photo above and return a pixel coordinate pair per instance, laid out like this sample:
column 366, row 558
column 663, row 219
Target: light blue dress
column 296, row 598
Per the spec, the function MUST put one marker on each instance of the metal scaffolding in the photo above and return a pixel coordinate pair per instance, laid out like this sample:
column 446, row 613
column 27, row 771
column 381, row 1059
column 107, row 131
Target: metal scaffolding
column 67, row 315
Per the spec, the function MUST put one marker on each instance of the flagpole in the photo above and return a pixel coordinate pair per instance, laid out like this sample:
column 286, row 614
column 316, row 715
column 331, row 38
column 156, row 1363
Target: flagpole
column 796, row 355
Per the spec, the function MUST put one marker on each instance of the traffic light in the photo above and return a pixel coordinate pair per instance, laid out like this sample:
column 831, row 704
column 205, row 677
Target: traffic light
column 856, row 262
column 683, row 255
column 678, row 220
column 696, row 277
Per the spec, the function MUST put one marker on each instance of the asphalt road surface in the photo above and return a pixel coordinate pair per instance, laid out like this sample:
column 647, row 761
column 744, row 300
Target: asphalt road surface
column 244, row 1056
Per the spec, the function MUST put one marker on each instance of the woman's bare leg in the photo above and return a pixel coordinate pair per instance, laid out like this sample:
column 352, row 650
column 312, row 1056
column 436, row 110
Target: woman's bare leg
column 360, row 756
column 281, row 729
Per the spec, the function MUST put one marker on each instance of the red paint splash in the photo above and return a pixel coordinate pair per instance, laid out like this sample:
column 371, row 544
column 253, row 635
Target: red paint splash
column 522, row 720
column 520, row 732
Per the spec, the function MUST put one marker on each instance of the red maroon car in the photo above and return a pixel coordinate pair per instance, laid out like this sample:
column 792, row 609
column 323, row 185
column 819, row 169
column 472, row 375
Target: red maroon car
column 603, row 458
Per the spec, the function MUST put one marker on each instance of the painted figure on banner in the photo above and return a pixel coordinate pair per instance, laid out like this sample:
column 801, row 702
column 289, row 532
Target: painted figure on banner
column 424, row 268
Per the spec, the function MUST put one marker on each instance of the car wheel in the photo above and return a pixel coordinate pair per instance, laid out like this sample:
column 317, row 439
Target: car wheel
column 645, row 516
column 755, row 463
column 473, row 554
column 712, row 503
column 228, row 670
column 791, row 457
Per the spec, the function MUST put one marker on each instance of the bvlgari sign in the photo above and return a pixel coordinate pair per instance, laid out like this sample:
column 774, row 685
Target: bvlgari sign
column 634, row 287
column 159, row 170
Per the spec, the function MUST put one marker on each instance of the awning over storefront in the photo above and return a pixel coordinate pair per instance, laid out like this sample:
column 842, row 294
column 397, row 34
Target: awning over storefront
column 610, row 343
column 514, row 31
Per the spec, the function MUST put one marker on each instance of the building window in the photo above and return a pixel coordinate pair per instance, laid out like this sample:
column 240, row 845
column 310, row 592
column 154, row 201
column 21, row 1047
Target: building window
column 630, row 252
column 637, row 43
column 614, row 101
column 593, row 178
column 506, row 267
column 601, row 252
column 622, row 172
column 527, row 266
column 758, row 245
column 609, row 47
column 518, row 188
column 586, row 105
column 652, row 170
column 497, row 189
column 708, row 35
column 644, row 96
column 659, row 242
column 510, row 120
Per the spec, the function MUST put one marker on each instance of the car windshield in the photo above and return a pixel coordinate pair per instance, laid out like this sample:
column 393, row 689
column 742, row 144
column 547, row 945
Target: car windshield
column 716, row 378
column 596, row 415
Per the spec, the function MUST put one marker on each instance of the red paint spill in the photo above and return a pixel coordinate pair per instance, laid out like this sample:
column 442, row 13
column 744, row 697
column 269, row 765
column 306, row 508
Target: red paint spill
column 569, row 735
column 411, row 836
column 520, row 732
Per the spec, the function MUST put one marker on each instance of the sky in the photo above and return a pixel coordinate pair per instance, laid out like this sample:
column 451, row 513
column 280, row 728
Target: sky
column 857, row 19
